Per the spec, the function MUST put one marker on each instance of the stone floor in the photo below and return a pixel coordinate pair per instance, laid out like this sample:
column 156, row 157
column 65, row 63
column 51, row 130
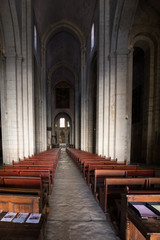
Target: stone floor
column 74, row 212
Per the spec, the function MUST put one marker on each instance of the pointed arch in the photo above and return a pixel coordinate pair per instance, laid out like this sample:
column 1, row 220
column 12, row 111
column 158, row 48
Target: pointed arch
column 63, row 25
column 147, row 43
column 124, row 15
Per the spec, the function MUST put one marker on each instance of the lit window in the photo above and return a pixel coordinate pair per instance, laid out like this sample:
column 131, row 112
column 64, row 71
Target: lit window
column 62, row 122
column 35, row 37
column 92, row 36
column 68, row 124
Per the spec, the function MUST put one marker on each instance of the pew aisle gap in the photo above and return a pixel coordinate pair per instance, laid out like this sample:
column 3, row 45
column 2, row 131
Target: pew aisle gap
column 74, row 213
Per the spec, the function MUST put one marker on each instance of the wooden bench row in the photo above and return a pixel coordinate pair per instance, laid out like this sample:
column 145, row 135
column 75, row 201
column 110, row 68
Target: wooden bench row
column 101, row 175
column 84, row 159
column 29, row 179
column 109, row 181
column 45, row 176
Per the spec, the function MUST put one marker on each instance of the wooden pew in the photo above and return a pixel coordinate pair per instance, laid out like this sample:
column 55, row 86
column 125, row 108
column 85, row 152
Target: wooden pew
column 86, row 163
column 131, row 225
column 10, row 202
column 44, row 174
column 154, row 183
column 122, row 183
column 27, row 183
column 79, row 155
column 141, row 173
column 23, row 184
column 92, row 168
column 13, row 185
column 100, row 175
column 31, row 167
column 33, row 162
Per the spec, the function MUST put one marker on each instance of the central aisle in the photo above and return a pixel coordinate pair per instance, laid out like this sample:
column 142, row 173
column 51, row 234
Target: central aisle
column 74, row 213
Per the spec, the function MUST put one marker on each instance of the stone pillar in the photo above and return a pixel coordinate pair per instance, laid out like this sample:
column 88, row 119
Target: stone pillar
column 83, row 97
column 77, row 117
column 106, row 77
column 72, row 133
column 25, row 82
column 129, row 104
column 121, row 107
column 150, row 107
column 31, row 112
column 28, row 84
column 156, row 113
column 49, row 114
column 103, row 80
column 112, row 115
column 11, row 109
column 43, row 120
column 4, row 112
column 20, row 108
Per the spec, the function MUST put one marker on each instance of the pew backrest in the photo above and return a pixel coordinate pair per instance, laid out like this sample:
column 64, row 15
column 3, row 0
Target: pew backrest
column 142, row 182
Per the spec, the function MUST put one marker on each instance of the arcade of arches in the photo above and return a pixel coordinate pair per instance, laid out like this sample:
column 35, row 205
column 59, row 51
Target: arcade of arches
column 83, row 73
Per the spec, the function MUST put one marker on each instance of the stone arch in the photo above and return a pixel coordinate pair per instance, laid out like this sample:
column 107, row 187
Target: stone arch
column 66, row 131
column 76, row 32
column 51, row 92
column 147, row 43
column 124, row 14
column 58, row 65
column 63, row 25
column 10, row 25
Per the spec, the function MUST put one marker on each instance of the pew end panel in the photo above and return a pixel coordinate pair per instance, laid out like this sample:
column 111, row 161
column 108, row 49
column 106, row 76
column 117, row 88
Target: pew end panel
column 20, row 203
column 131, row 225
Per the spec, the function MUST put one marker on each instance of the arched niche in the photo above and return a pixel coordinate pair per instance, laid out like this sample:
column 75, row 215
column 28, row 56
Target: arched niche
column 142, row 99
column 62, row 130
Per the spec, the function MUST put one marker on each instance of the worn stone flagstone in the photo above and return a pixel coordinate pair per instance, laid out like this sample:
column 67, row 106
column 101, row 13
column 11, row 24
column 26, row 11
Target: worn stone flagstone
column 74, row 213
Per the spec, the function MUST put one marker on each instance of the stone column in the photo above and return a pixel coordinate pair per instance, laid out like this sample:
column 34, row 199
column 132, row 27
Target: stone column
column 83, row 112
column 30, row 79
column 77, row 117
column 156, row 137
column 149, row 112
column 72, row 133
column 112, row 114
column 43, row 123
column 4, row 112
column 25, row 80
column 20, row 108
column 49, row 114
column 121, row 107
column 106, row 77
column 11, row 109
column 129, row 104
column 103, row 80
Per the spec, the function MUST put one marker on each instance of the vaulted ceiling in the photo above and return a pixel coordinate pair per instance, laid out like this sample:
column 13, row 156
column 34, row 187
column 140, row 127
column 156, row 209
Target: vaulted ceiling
column 80, row 13
column 63, row 48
